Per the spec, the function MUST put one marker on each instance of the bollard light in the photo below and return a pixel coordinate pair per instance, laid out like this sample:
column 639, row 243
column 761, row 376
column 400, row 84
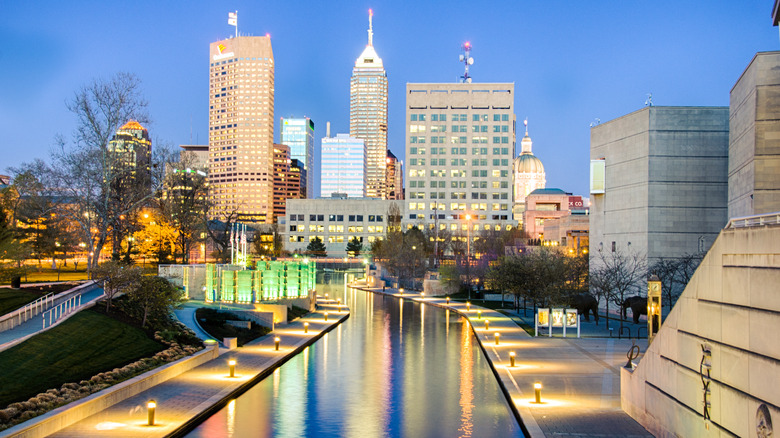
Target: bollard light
column 306, row 327
column 479, row 314
column 150, row 407
column 468, row 305
column 232, row 366
column 401, row 291
column 511, row 358
column 448, row 300
column 326, row 295
column 339, row 307
column 538, row 391
column 338, row 301
column 326, row 316
column 487, row 324
column 276, row 343
column 497, row 335
column 422, row 294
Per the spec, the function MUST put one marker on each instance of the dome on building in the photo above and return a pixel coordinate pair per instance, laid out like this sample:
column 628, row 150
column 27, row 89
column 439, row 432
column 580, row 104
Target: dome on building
column 132, row 124
column 528, row 163
column 528, row 170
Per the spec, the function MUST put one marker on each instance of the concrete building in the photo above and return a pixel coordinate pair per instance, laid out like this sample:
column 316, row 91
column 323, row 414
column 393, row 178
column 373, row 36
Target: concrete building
column 569, row 232
column 241, row 125
column 754, row 138
column 336, row 221
column 659, row 181
column 459, row 147
column 298, row 134
column 712, row 369
column 287, row 183
column 368, row 113
column 528, row 174
column 394, row 178
column 131, row 151
column 343, row 168
column 543, row 205
column 195, row 154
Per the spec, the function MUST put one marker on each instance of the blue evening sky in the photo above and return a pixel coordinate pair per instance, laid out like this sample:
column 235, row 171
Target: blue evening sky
column 571, row 61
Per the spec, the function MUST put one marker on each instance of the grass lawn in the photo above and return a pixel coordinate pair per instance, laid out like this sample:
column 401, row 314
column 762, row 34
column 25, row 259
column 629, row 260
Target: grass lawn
column 86, row 344
column 12, row 299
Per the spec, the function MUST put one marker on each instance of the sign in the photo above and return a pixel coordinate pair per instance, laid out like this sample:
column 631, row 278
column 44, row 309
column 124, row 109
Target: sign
column 576, row 203
column 557, row 317
column 543, row 317
column 571, row 318
column 224, row 56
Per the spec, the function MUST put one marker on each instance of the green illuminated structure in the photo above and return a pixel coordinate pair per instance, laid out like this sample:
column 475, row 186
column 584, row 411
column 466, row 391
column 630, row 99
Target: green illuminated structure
column 269, row 281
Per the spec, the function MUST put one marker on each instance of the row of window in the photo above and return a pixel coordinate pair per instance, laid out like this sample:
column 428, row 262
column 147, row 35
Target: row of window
column 339, row 228
column 458, row 117
column 415, row 150
column 336, row 218
column 335, row 239
column 415, row 139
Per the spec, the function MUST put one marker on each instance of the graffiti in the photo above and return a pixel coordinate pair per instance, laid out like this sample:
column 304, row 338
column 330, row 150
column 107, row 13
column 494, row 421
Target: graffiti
column 705, row 366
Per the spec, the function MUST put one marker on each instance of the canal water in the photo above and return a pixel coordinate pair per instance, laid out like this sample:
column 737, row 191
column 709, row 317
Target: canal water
column 392, row 369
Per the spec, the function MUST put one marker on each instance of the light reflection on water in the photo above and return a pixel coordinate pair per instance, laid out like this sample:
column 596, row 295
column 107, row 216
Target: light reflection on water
column 374, row 376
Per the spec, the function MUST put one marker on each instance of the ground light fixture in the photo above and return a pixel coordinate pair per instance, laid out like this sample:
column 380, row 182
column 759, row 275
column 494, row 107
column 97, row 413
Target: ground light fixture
column 448, row 300
column 422, row 294
column 468, row 305
column 306, row 327
column 538, row 391
column 326, row 316
column 276, row 343
column 511, row 358
column 497, row 335
column 232, row 367
column 479, row 314
column 401, row 291
column 151, row 405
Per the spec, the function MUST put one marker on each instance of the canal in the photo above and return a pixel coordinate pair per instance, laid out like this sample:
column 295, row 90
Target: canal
column 394, row 368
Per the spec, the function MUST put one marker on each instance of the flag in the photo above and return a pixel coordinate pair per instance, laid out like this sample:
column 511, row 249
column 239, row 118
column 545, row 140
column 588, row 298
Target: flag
column 233, row 18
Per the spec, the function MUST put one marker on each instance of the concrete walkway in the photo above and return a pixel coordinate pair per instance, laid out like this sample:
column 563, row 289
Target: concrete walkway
column 580, row 377
column 34, row 325
column 198, row 393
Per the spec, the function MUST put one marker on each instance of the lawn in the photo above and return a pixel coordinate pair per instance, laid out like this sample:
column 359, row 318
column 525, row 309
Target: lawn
column 86, row 344
column 12, row 299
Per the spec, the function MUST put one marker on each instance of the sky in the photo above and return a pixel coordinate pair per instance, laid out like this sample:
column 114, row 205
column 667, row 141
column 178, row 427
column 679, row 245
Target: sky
column 572, row 62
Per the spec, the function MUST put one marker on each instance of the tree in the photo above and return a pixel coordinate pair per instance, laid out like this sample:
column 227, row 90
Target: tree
column 354, row 247
column 157, row 238
column 184, row 202
column 268, row 244
column 117, row 279
column 316, row 248
column 154, row 298
column 87, row 172
column 616, row 275
column 219, row 233
column 12, row 251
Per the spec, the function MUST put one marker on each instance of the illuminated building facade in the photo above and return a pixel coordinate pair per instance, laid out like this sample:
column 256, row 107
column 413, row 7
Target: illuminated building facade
column 528, row 174
column 131, row 149
column 287, row 183
column 394, row 177
column 343, row 167
column 460, row 140
column 298, row 134
column 241, row 122
column 368, row 114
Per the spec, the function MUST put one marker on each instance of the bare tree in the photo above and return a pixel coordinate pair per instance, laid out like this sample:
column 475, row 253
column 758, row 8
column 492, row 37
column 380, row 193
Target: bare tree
column 184, row 201
column 117, row 279
column 86, row 170
column 616, row 275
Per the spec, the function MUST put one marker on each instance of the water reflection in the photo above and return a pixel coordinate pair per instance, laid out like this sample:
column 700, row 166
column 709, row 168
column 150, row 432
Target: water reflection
column 374, row 377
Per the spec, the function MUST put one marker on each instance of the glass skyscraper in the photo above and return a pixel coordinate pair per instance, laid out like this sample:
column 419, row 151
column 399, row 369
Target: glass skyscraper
column 368, row 114
column 343, row 166
column 298, row 134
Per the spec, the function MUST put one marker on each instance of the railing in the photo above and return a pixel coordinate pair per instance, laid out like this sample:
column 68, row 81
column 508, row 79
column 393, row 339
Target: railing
column 55, row 304
column 26, row 312
column 755, row 220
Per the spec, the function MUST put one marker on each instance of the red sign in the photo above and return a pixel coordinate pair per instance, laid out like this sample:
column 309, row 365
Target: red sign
column 575, row 203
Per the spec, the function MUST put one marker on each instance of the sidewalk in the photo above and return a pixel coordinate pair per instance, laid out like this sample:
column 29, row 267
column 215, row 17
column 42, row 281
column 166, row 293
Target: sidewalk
column 200, row 392
column 580, row 377
column 34, row 325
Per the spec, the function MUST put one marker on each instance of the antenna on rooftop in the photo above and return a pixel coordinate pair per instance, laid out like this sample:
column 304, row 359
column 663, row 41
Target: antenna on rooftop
column 649, row 101
column 467, row 60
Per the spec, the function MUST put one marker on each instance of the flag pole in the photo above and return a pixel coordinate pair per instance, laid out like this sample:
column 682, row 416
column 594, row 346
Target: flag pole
column 236, row 23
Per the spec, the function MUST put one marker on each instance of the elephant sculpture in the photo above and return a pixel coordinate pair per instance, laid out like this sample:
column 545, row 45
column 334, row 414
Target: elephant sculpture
column 638, row 307
column 585, row 303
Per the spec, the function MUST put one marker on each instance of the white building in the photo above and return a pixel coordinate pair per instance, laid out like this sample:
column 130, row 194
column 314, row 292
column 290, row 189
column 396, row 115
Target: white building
column 528, row 175
column 343, row 168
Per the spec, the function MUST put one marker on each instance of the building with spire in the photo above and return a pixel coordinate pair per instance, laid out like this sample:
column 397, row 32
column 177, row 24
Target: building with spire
column 368, row 113
column 528, row 175
column 241, row 128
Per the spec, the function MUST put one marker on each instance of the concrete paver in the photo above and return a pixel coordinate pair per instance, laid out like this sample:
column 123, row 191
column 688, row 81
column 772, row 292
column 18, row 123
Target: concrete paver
column 198, row 391
column 580, row 377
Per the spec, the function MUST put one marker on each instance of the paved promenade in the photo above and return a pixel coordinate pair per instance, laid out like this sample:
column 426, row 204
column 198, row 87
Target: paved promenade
column 580, row 377
column 199, row 391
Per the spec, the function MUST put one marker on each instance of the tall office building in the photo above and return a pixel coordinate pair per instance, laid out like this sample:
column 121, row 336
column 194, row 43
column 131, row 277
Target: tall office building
column 241, row 123
column 368, row 113
column 394, row 177
column 343, row 166
column 132, row 159
column 460, row 139
column 287, row 182
column 298, row 134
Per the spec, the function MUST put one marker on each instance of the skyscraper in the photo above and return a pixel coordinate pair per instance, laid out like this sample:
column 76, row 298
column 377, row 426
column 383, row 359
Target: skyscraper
column 343, row 166
column 287, row 183
column 131, row 151
column 394, row 177
column 241, row 122
column 460, row 141
column 368, row 113
column 298, row 134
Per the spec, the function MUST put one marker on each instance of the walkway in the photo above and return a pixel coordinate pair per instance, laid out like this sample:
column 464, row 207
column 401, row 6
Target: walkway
column 199, row 392
column 580, row 377
column 35, row 325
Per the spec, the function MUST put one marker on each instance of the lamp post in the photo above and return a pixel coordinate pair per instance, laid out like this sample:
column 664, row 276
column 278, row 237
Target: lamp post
column 150, row 407
column 232, row 367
